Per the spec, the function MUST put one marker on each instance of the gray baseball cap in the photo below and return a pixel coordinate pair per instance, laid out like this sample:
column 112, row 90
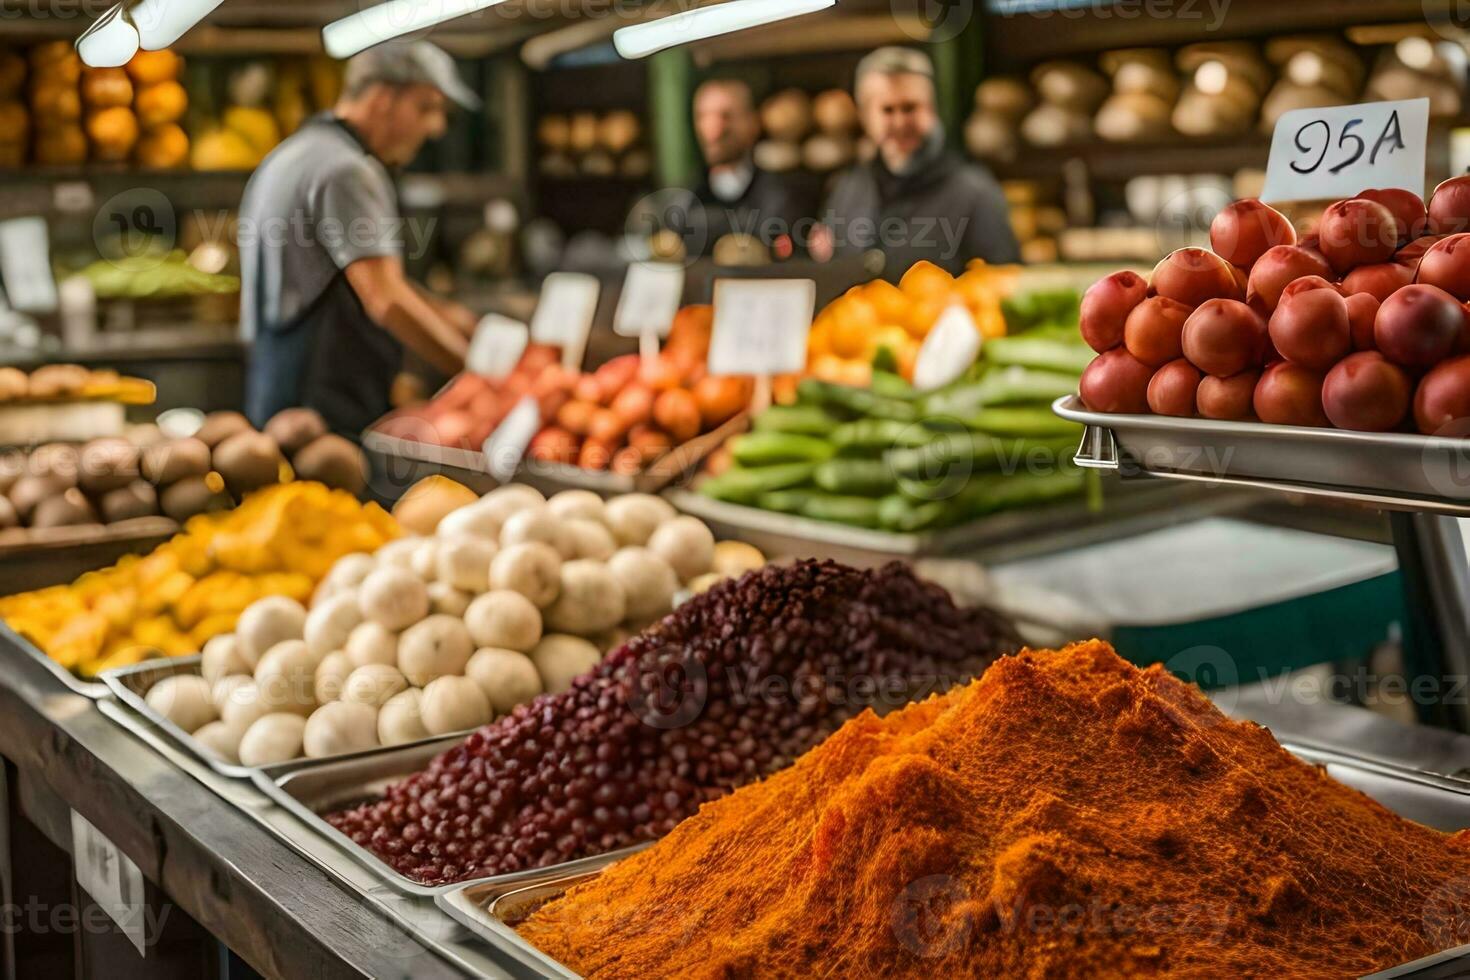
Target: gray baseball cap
column 409, row 63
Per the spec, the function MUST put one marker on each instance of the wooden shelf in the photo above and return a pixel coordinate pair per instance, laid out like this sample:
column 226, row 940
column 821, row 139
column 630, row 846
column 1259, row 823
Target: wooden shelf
column 1121, row 161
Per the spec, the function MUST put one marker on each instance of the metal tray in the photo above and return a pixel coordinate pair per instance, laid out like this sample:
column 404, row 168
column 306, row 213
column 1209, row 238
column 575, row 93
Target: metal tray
column 489, row 909
column 1390, row 471
column 1128, row 510
column 131, row 686
column 14, row 645
column 308, row 788
column 399, row 463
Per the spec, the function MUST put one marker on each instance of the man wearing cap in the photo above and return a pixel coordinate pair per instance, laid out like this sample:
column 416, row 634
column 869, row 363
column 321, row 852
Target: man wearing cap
column 323, row 294
column 915, row 199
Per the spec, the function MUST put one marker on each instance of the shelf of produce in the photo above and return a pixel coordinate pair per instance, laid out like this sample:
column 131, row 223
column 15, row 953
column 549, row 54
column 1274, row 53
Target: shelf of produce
column 59, row 555
column 1387, row 471
column 204, row 852
column 1128, row 509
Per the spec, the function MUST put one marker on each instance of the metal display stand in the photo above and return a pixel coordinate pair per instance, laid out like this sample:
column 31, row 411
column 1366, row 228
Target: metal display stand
column 1424, row 518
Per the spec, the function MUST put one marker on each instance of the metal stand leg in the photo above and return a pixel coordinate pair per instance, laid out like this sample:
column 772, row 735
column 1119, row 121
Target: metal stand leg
column 1436, row 578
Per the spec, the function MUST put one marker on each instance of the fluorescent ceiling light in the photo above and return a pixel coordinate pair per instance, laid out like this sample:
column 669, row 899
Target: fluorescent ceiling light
column 110, row 42
column 395, row 18
column 151, row 25
column 642, row 40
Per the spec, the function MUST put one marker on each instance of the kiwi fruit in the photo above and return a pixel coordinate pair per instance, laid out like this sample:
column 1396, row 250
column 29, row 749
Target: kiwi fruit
column 332, row 460
column 219, row 426
column 64, row 510
column 107, row 464
column 137, row 499
column 29, row 491
column 171, row 461
column 194, row 495
column 294, row 428
column 248, row 461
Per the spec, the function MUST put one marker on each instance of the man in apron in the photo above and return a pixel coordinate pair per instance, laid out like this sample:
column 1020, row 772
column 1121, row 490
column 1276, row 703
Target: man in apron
column 323, row 296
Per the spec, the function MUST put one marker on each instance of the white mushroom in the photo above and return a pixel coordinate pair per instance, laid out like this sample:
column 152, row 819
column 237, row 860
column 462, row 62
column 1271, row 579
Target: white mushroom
column 590, row 539
column 244, row 706
column 401, row 720
column 222, row 658
column 222, row 739
column 339, row 728
column 583, row 505
column 504, row 619
column 439, row 646
column 446, row 600
column 183, row 699
column 632, row 518
column 286, row 677
column 373, row 685
column 330, row 622
column 266, row 622
column 424, row 560
column 478, row 520
column 454, row 704
column 508, row 678
column 394, row 598
column 648, row 582
column 224, row 690
column 590, row 599
column 537, row 524
column 331, row 676
column 686, row 544
column 397, row 554
column 272, row 739
column 533, row 570
column 465, row 563
column 562, row 659
column 371, row 643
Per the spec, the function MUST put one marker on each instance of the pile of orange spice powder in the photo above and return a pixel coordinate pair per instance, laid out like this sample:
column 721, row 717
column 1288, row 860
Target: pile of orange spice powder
column 1067, row 815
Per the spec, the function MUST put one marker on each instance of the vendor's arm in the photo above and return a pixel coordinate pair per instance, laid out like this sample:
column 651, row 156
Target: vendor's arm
column 460, row 316
column 397, row 306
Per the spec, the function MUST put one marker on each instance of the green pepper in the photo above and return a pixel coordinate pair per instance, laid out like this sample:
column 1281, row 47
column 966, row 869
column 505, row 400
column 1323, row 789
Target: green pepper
column 857, row 511
column 806, row 420
column 743, row 486
column 855, row 477
column 765, row 448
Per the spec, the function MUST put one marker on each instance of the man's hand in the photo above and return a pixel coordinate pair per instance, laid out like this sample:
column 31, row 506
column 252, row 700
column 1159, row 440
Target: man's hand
column 462, row 317
column 396, row 305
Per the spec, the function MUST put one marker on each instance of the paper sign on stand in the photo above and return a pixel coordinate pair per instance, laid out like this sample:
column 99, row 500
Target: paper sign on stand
column 497, row 346
column 113, row 881
column 564, row 314
column 507, row 445
column 760, row 329
column 649, row 302
column 1339, row 151
column 25, row 265
column 949, row 350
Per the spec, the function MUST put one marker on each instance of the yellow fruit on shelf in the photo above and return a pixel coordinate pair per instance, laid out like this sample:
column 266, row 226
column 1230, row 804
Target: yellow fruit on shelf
column 222, row 149
column 161, row 103
column 152, row 67
column 256, row 126
column 112, row 133
column 64, row 146
column 163, row 148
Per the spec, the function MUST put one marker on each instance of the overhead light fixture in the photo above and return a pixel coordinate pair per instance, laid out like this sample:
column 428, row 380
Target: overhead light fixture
column 642, row 40
column 386, row 21
column 151, row 25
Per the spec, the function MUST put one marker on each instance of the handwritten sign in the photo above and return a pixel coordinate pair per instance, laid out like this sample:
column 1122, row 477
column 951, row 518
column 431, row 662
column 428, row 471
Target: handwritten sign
column 761, row 325
column 650, row 299
column 497, row 346
column 948, row 351
column 564, row 314
column 1338, row 151
column 507, row 445
column 25, row 265
column 111, row 878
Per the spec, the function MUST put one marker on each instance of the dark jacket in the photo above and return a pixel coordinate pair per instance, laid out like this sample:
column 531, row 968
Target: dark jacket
column 772, row 206
column 945, row 209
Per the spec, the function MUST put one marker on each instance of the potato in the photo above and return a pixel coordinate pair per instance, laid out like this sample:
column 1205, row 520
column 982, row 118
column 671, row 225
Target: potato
column 536, row 524
column 393, row 598
column 562, row 659
column 222, row 657
column 533, row 570
column 374, row 685
column 339, row 728
column 512, row 498
column 286, row 677
column 243, row 706
column 226, row 689
column 350, row 570
column 734, row 558
column 478, row 520
column 396, row 554
column 331, row 622
column 371, row 643
column 424, row 560
column 331, row 676
column 634, row 517
column 589, row 539
column 454, row 704
column 183, row 699
column 507, row 678
column 267, row 622
column 437, row 647
column 273, row 739
column 686, row 544
column 401, row 720
column 504, row 619
column 648, row 582
column 581, row 505
column 465, row 563
column 222, row 740
column 590, row 599
column 446, row 600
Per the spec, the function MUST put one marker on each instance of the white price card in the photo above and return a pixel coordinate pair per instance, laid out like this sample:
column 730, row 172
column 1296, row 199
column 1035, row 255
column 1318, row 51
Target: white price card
column 25, row 265
column 761, row 325
column 948, row 351
column 506, row 446
column 564, row 313
column 1340, row 151
column 497, row 346
column 113, row 881
column 650, row 299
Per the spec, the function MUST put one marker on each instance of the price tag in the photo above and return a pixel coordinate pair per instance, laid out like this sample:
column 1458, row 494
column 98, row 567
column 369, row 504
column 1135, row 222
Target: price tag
column 113, row 881
column 948, row 351
column 650, row 299
column 497, row 346
column 761, row 325
column 1337, row 152
column 506, row 446
column 564, row 314
column 74, row 196
column 25, row 265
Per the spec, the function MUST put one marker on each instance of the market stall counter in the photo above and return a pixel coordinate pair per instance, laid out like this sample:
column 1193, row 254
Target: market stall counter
column 216, row 876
